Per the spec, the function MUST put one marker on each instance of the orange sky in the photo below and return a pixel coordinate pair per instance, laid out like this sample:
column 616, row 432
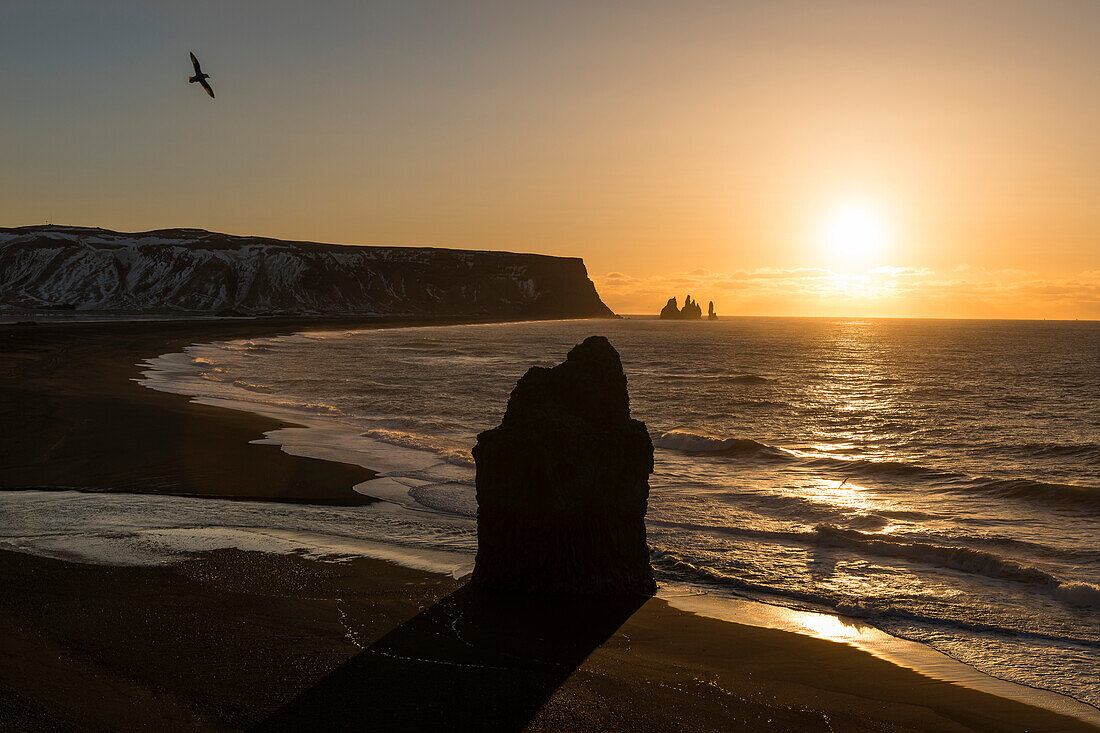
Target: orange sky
column 698, row 147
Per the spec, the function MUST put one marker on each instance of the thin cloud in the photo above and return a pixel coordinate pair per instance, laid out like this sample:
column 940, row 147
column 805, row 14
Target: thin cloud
column 885, row 291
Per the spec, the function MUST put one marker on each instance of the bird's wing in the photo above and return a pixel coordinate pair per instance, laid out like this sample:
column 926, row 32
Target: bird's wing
column 206, row 86
column 195, row 63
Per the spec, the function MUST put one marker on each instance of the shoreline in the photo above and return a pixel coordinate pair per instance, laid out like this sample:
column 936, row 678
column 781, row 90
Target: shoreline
column 71, row 413
column 80, row 372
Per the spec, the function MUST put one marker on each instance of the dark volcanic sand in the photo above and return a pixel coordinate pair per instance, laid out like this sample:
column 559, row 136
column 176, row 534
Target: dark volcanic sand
column 71, row 417
column 236, row 640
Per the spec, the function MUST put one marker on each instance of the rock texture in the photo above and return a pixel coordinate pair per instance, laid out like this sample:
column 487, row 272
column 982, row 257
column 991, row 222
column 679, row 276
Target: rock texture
column 195, row 271
column 711, row 315
column 691, row 310
column 562, row 483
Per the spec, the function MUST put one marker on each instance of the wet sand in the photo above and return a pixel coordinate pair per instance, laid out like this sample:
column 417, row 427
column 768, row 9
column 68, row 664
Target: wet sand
column 71, row 417
column 235, row 640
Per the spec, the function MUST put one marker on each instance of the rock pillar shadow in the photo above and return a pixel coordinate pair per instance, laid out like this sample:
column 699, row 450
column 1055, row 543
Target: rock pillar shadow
column 475, row 660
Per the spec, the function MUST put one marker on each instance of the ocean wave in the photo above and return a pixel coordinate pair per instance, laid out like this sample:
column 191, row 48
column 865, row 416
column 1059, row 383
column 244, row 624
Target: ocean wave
column 745, row 532
column 245, row 347
column 875, row 468
column 985, row 539
column 449, row 453
column 881, row 614
column 868, row 521
column 662, row 376
column 808, row 509
column 1057, row 450
column 749, row 379
column 690, row 442
column 966, row 559
column 695, row 443
column 1072, row 494
column 1082, row 497
column 671, row 566
column 782, row 506
column 252, row 387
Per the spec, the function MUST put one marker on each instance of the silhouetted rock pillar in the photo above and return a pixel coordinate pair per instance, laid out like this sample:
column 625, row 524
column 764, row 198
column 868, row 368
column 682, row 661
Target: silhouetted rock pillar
column 562, row 483
column 671, row 310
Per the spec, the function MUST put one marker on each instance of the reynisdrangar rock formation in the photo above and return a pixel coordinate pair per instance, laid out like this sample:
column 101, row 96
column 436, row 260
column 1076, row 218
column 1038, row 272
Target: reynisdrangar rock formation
column 563, row 482
column 690, row 311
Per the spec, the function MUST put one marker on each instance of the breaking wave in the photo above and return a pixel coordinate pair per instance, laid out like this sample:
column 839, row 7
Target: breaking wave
column 449, row 453
column 695, row 443
column 674, row 567
column 966, row 559
column 938, row 479
column 1071, row 494
column 253, row 387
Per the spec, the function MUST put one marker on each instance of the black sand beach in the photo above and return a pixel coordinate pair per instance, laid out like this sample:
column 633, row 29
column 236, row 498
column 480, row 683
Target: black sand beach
column 232, row 640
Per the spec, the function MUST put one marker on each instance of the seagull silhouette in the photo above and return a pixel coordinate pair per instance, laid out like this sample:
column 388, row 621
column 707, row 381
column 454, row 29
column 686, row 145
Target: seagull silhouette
column 199, row 76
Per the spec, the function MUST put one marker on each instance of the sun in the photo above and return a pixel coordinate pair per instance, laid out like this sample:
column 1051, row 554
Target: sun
column 853, row 234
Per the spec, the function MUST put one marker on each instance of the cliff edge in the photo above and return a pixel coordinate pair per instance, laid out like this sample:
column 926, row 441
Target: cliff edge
column 200, row 272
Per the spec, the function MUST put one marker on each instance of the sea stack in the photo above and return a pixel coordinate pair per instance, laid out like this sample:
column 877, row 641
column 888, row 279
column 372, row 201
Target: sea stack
column 563, row 482
column 690, row 311
column 671, row 311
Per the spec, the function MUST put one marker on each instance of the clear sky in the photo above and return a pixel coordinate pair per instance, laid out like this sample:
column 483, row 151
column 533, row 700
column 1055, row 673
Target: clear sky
column 818, row 157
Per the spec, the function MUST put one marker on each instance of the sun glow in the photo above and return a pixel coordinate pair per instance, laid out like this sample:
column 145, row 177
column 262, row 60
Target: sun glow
column 854, row 235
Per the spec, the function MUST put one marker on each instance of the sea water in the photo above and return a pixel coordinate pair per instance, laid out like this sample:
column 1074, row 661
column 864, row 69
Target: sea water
column 936, row 480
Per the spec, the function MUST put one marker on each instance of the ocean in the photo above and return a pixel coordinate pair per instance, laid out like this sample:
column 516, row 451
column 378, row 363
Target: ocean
column 935, row 480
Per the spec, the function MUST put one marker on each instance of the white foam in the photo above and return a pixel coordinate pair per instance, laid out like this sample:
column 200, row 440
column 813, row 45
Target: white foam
column 694, row 443
column 133, row 529
column 311, row 545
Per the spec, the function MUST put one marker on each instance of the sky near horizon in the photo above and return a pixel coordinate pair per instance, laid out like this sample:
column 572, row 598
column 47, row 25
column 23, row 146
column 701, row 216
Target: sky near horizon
column 792, row 157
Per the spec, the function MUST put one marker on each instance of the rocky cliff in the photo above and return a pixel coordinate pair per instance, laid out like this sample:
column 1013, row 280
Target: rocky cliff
column 563, row 483
column 691, row 310
column 195, row 271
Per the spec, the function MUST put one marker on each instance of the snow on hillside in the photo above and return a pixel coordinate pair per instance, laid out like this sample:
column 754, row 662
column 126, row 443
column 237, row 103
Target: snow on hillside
column 195, row 271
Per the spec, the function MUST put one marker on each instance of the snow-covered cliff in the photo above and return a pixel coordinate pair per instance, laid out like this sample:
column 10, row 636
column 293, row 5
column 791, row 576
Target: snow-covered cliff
column 195, row 271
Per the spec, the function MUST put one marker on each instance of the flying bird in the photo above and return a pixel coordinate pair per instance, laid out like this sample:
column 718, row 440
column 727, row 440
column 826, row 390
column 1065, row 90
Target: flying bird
column 199, row 76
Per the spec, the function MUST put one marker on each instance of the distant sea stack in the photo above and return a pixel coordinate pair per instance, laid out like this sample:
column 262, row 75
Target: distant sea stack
column 690, row 311
column 711, row 315
column 563, row 482
column 181, row 271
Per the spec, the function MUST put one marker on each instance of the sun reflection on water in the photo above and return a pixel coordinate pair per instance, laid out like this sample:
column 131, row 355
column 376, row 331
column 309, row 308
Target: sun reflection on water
column 843, row 494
